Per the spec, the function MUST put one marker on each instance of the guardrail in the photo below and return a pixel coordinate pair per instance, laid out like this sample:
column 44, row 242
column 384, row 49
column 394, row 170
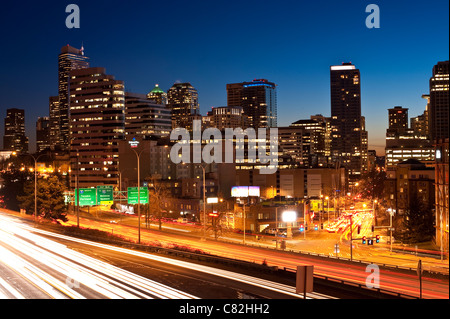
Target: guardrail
column 206, row 257
column 354, row 285
column 332, row 256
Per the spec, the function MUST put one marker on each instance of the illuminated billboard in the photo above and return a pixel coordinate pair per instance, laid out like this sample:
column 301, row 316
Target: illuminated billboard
column 245, row 191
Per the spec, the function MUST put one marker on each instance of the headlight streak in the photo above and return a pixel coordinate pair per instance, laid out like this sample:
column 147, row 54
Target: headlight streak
column 10, row 289
column 284, row 289
column 105, row 285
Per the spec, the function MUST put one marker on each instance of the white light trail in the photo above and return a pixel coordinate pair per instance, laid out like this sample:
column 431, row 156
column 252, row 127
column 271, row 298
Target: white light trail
column 72, row 267
column 266, row 284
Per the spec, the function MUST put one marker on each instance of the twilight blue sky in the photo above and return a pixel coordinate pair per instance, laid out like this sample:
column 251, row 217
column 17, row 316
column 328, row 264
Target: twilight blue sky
column 212, row 43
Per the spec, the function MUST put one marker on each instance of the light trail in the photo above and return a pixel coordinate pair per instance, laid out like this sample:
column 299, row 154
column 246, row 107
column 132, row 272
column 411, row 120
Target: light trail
column 265, row 284
column 60, row 272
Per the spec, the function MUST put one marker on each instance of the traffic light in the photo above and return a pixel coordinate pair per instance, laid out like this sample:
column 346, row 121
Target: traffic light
column 377, row 239
column 364, row 240
column 316, row 227
column 321, row 225
column 302, row 228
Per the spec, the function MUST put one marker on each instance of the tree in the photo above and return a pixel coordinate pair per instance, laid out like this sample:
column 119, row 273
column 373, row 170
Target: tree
column 158, row 193
column 371, row 185
column 50, row 198
column 13, row 185
column 418, row 221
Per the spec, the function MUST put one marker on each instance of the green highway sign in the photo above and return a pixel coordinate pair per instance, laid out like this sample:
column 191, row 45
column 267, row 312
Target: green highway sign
column 88, row 197
column 105, row 195
column 133, row 195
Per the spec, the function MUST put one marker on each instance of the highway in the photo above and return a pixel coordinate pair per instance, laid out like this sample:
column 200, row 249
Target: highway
column 390, row 279
column 37, row 264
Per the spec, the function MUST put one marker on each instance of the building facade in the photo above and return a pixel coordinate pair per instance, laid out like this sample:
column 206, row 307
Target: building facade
column 97, row 124
column 42, row 134
column 158, row 95
column 182, row 100
column 403, row 143
column 69, row 59
column 145, row 117
column 258, row 100
column 348, row 131
column 405, row 179
column 14, row 138
column 439, row 101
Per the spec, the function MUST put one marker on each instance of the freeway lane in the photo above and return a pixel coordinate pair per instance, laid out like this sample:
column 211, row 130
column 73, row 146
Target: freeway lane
column 60, row 272
column 392, row 280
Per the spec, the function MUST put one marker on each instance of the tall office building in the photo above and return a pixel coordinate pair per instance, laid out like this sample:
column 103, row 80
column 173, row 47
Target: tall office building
column 404, row 143
column 158, row 95
column 15, row 138
column 439, row 101
column 53, row 106
column 42, row 134
column 145, row 117
column 438, row 126
column 398, row 119
column 420, row 124
column 97, row 124
column 258, row 100
column 347, row 123
column 223, row 117
column 69, row 59
column 182, row 99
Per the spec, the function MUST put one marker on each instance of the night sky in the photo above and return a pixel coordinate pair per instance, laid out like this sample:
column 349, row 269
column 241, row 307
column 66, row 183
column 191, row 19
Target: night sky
column 212, row 43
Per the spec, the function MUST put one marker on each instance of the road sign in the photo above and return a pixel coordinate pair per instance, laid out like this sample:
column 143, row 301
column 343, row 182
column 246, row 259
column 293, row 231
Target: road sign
column 88, row 197
column 336, row 249
column 133, row 195
column 105, row 195
column 305, row 279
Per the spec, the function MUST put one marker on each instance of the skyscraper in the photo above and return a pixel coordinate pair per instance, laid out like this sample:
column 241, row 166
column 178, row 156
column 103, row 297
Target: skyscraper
column 53, row 104
column 347, row 123
column 15, row 138
column 182, row 99
column 404, row 143
column 97, row 123
column 398, row 119
column 439, row 101
column 258, row 100
column 438, row 126
column 69, row 59
column 158, row 95
column 145, row 117
column 42, row 134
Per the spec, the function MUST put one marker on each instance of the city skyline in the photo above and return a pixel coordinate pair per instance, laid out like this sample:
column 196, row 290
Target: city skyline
column 397, row 76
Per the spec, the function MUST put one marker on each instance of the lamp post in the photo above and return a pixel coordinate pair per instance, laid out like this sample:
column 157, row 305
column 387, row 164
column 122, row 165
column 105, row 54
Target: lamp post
column 35, row 180
column 204, row 202
column 134, row 144
column 373, row 210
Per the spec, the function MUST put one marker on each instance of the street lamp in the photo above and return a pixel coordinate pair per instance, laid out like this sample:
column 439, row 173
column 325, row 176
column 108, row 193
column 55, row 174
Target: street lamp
column 373, row 210
column 289, row 216
column 35, row 179
column 134, row 144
